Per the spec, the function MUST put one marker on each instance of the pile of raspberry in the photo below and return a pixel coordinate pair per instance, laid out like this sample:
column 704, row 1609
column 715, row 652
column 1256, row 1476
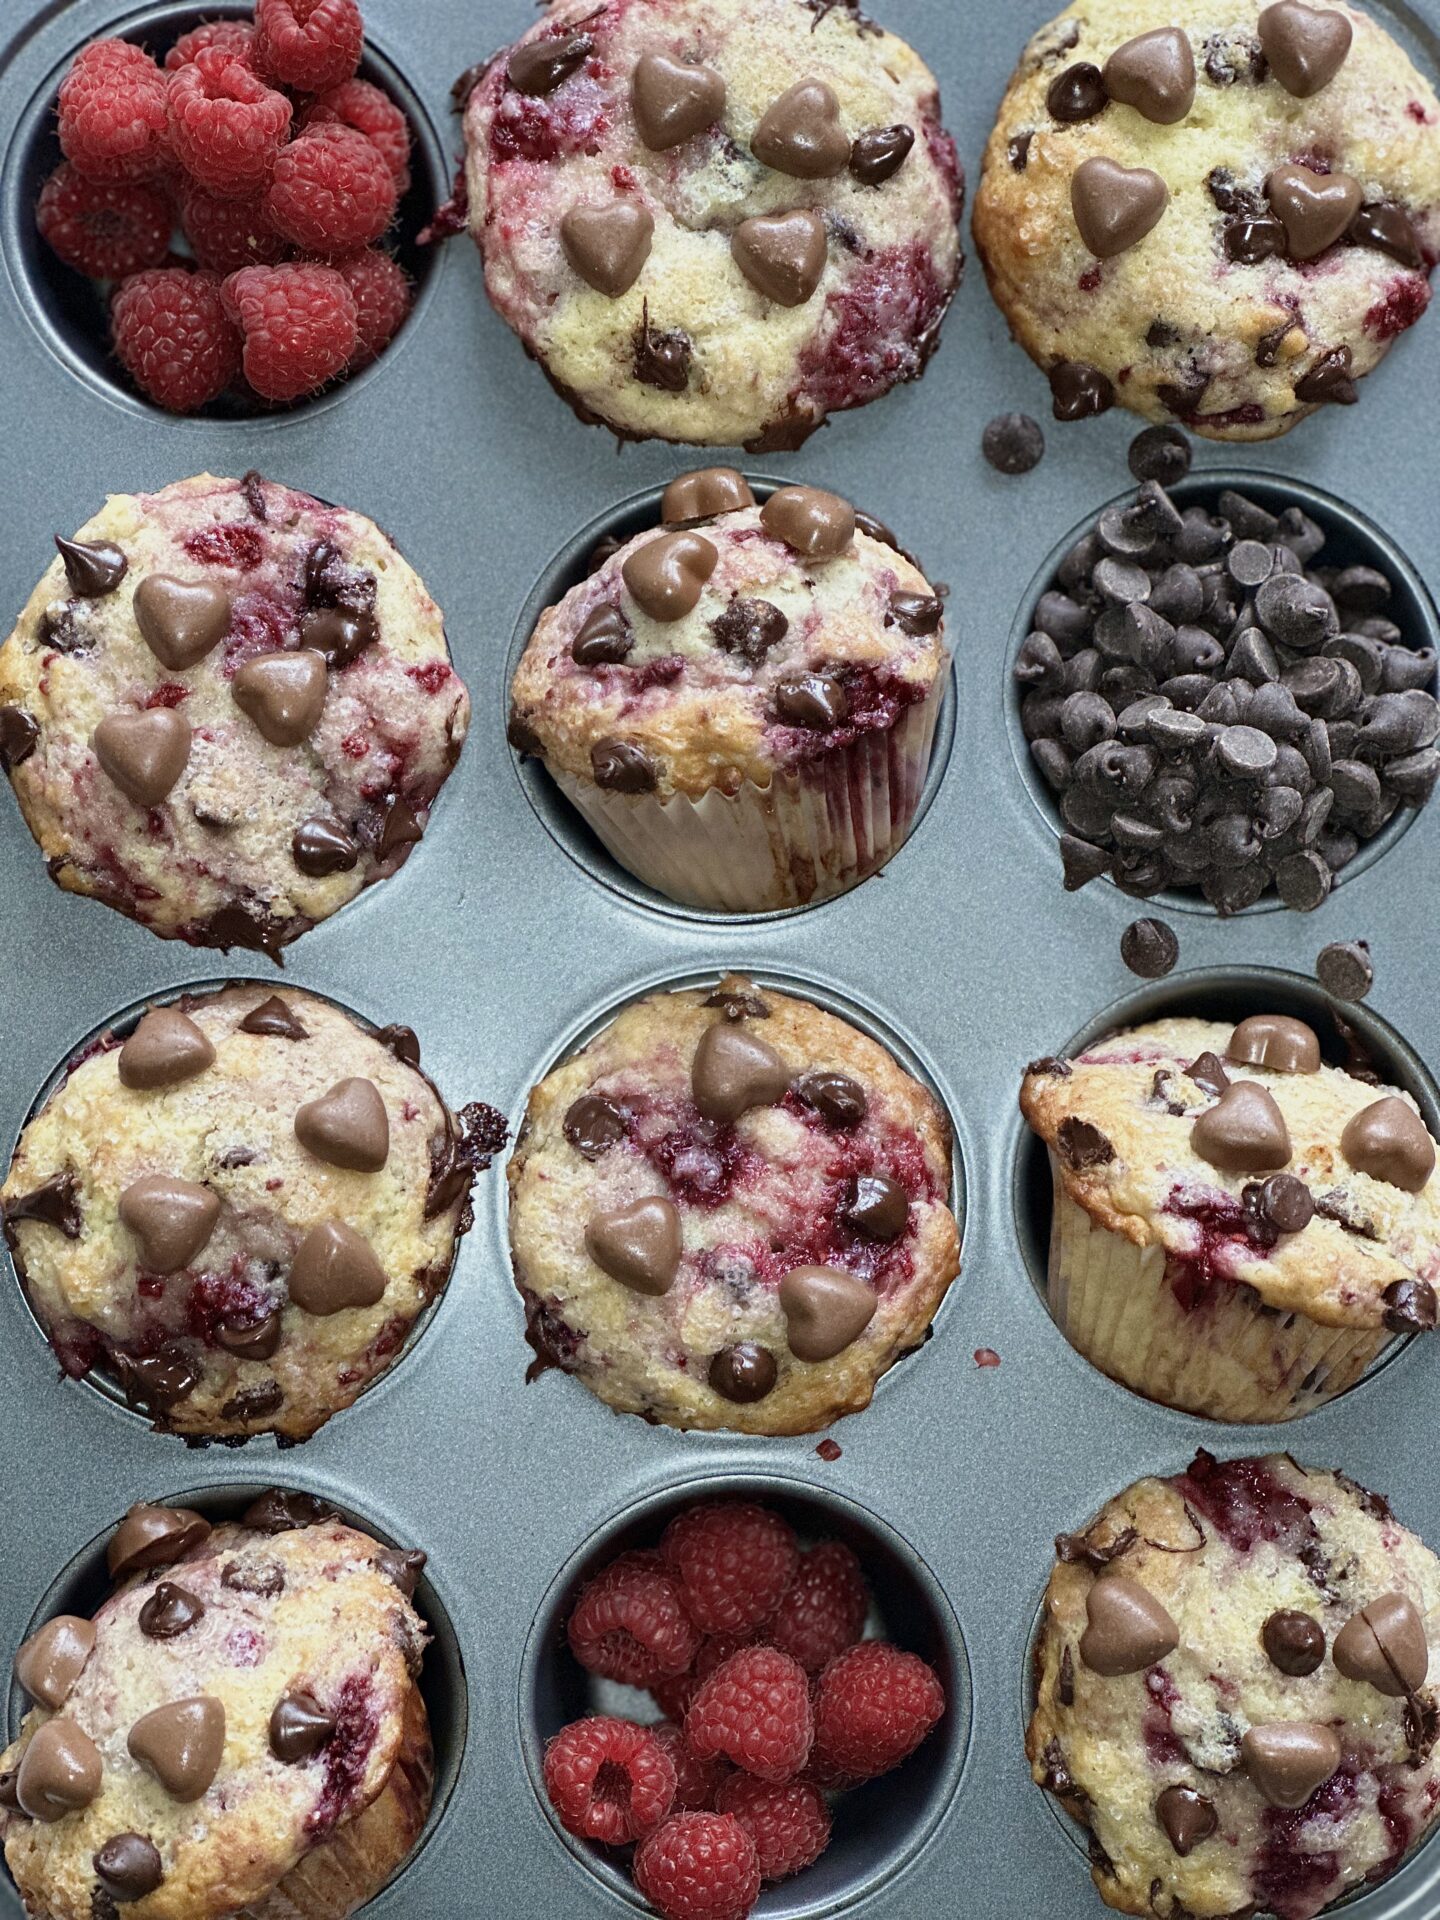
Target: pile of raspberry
column 773, row 1703
column 233, row 201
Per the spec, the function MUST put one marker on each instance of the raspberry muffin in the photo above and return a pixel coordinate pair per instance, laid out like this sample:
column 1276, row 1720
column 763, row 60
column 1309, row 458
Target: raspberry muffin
column 226, row 708
column 239, row 1211
column 730, row 1211
column 742, row 704
column 1235, row 1691
column 714, row 222
column 239, row 1728
column 1218, row 219
column 1239, row 1228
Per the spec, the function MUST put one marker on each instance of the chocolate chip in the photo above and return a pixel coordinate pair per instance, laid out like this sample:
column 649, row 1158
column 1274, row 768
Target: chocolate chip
column 299, row 1727
column 1149, row 948
column 181, row 1745
column 274, row 1019
column 251, row 1339
column 1388, row 228
column 1251, row 238
column 749, row 629
column 402, row 1566
column 918, row 614
column 1329, row 378
column 1187, row 1817
column 54, row 1203
column 593, row 1125
column 1081, row 1144
column 320, row 847
column 1161, row 454
column 1079, row 391
column 264, row 1578
column 604, row 639
column 1019, row 152
column 338, row 635
column 169, row 1611
column 93, row 569
column 1410, row 1306
column 1345, row 969
column 619, row 766
column 703, row 495
column 539, row 66
column 815, row 702
column 1013, row 443
column 19, row 735
column 1294, row 1642
column 155, row 1382
column 1082, row 862
column 876, row 1207
column 877, row 154
column 839, row 1100
column 1077, row 94
column 1286, row 1203
column 743, row 1373
column 661, row 357
column 259, row 1402
column 128, row 1867
column 282, row 1510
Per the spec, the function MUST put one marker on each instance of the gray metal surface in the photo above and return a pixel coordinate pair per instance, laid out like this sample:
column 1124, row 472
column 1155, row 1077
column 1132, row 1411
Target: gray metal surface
column 496, row 945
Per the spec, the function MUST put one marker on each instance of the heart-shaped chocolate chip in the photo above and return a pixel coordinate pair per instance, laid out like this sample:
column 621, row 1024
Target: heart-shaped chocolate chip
column 1126, row 1629
column 53, row 1658
column 815, row 524
column 639, row 1245
column 299, row 1727
column 877, row 154
column 674, row 99
column 181, row 620
column 826, row 1310
column 608, row 245
column 181, row 1745
column 1315, row 209
column 128, row 1867
column 153, row 1537
column 172, row 1220
column 1244, row 1132
column 335, row 1268
column 1114, row 206
column 667, row 575
column 1288, row 1759
column 800, row 133
column 60, row 1772
column 1388, row 1141
column 283, row 693
column 1187, row 1818
column 320, row 847
column 347, row 1126
column 93, row 568
column 143, row 753
column 165, row 1048
column 704, row 494
column 1306, row 46
column 782, row 255
column 733, row 1071
column 1155, row 74
column 1384, row 1645
column 1275, row 1042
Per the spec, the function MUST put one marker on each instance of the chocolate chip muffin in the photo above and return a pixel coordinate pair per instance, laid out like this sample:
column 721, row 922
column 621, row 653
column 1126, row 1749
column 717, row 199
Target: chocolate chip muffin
column 226, row 709
column 714, row 222
column 730, row 1211
column 1239, row 1228
column 1235, row 1690
column 742, row 705
column 1220, row 219
column 238, row 1211
column 239, row 1728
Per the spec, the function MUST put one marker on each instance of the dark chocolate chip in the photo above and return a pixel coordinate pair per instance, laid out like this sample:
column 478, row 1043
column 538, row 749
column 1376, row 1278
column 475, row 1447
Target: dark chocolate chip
column 265, row 1578
column 1345, row 969
column 540, row 66
column 169, row 1611
column 402, row 1566
column 320, row 847
column 815, row 702
column 1410, row 1306
column 837, row 1098
column 1082, row 1145
column 1294, row 1642
column 128, row 1867
column 94, row 569
column 1019, row 151
column 877, row 154
column 604, row 639
column 743, row 1373
column 660, row 358
column 54, row 1203
column 299, row 1727
column 594, row 1124
column 1077, row 94
column 1013, row 443
column 1329, row 378
column 1079, row 391
column 157, row 1381
column 338, row 634
column 254, row 1403
column 1149, row 948
column 282, row 1510
column 250, row 1339
column 876, row 1206
column 918, row 614
column 1161, row 454
column 19, row 735
column 1388, row 227
column 274, row 1019
column 619, row 766
column 749, row 629
column 1286, row 1203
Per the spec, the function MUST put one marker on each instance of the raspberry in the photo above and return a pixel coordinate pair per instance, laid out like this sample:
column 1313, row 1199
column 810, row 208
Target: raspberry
column 609, row 1780
column 299, row 325
column 172, row 335
column 696, row 1781
column 226, row 126
column 311, row 45
column 368, row 110
column 104, row 228
column 331, row 191
column 629, row 1623
column 734, row 1562
column 226, row 235
column 789, row 1824
column 235, row 37
column 755, row 1709
column 824, row 1608
column 873, row 1707
column 699, row 1866
column 112, row 113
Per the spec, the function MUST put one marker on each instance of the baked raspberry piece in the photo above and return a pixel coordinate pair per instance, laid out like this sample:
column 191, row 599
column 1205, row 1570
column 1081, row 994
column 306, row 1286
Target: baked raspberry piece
column 874, row 1704
column 383, row 298
column 755, row 1710
column 734, row 1561
column 299, row 324
column 331, row 191
column 234, row 37
column 112, row 108
column 310, row 45
column 789, row 1823
column 226, row 126
column 226, row 234
column 630, row 1625
column 824, row 1607
column 106, row 228
column 369, row 110
column 609, row 1780
column 699, row 1866
column 174, row 337
column 697, row 1781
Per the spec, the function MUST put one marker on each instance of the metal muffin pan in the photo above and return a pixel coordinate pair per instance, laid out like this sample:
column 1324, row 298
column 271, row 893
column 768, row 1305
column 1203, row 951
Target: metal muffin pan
column 500, row 947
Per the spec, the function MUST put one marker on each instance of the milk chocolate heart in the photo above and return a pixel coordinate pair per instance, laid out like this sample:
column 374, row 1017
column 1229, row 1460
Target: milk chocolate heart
column 826, row 1310
column 1275, row 1042
column 782, row 255
column 283, row 693
column 1244, row 1132
column 1315, row 209
column 165, row 1048
column 815, row 524
column 60, row 1772
column 734, row 1071
column 180, row 620
column 1288, row 1759
column 674, row 99
column 143, row 753
column 608, row 245
column 800, row 133
column 1126, row 1630
column 172, row 1220
column 1155, row 74
column 638, row 1245
column 1384, row 1645
column 335, row 1268
column 347, row 1126
column 53, row 1658
column 703, row 494
column 1306, row 46
column 667, row 575
column 1388, row 1140
column 1114, row 206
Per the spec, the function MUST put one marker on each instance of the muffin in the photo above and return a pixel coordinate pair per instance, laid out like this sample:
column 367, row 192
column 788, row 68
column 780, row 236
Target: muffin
column 226, row 709
column 730, row 1210
column 714, row 220
column 238, row 1729
column 1223, row 219
column 1239, row 1228
column 741, row 705
column 238, row 1211
column 1235, row 1690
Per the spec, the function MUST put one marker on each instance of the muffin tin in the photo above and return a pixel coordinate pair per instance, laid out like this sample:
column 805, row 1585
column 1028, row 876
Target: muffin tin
column 501, row 947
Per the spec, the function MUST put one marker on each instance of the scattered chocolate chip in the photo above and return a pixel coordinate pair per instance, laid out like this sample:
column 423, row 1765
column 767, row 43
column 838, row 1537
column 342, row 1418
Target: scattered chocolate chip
column 19, row 736
column 918, row 614
column 251, row 1339
column 1387, row 227
column 1013, row 443
column 1161, row 454
column 402, row 1042
column 839, row 1100
column 815, row 702
column 54, row 1203
column 259, row 1402
column 128, row 1867
column 1286, row 1203
column 1410, row 1306
column 876, row 1207
column 274, row 1019
column 1294, row 1642
column 743, row 1373
column 1082, row 1145
column 593, row 1125
column 169, row 1611
column 661, row 357
column 283, row 1510
column 1079, row 391
column 540, row 66
column 299, row 1727
column 1187, row 1817
column 1345, row 969
column 749, row 629
column 619, row 766
column 155, row 1382
column 877, row 154
column 93, row 569
column 402, row 1566
column 321, row 847
column 737, row 999
column 1149, row 948
column 1076, row 94
column 1328, row 378
column 338, row 635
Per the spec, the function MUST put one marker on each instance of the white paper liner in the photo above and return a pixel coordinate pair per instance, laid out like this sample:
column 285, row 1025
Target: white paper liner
column 1227, row 1358
column 814, row 832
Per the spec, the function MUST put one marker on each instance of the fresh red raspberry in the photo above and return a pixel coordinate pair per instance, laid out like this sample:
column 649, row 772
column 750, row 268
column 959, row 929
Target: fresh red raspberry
column 699, row 1866
column 235, row 37
column 226, row 126
column 172, row 335
column 368, row 110
column 873, row 1706
column 696, row 1781
column 755, row 1709
column 113, row 122
column 383, row 297
column 299, row 325
column 609, row 1780
column 226, row 235
column 311, row 45
column 824, row 1608
column 734, row 1562
column 630, row 1625
column 331, row 192
column 102, row 227
column 790, row 1824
